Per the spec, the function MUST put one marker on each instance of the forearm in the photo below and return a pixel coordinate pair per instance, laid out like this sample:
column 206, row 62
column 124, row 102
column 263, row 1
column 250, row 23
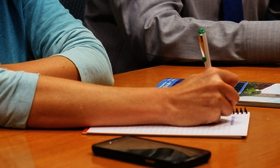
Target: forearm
column 56, row 66
column 201, row 99
column 66, row 104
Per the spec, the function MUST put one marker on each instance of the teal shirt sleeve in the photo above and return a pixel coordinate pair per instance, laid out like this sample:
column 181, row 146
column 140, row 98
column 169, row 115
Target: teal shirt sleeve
column 50, row 30
column 16, row 96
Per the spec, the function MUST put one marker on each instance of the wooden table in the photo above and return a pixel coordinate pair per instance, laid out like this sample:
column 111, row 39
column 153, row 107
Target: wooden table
column 69, row 148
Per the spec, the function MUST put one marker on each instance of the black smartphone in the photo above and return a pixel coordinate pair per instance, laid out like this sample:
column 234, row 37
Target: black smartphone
column 151, row 153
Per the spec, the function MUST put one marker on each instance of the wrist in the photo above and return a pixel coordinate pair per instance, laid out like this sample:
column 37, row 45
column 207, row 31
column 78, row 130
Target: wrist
column 166, row 100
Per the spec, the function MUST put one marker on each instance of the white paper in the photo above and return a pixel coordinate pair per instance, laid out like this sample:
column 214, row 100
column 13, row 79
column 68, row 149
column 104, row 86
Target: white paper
column 235, row 125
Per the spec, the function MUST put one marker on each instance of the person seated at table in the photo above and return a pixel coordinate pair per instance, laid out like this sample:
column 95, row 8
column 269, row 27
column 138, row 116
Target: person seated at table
column 139, row 33
column 54, row 74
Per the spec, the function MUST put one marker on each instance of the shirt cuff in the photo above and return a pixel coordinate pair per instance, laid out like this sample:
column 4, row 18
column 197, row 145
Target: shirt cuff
column 92, row 65
column 18, row 90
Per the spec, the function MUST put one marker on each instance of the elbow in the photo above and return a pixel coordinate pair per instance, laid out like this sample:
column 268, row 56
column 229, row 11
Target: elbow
column 100, row 72
column 107, row 80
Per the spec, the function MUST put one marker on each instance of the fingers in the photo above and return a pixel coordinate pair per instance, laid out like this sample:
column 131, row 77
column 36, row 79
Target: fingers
column 226, row 107
column 230, row 94
column 231, row 97
column 227, row 76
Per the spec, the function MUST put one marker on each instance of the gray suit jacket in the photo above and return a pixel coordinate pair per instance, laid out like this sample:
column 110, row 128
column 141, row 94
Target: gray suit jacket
column 142, row 33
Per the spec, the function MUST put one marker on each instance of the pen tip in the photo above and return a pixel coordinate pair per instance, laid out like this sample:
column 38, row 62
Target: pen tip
column 201, row 30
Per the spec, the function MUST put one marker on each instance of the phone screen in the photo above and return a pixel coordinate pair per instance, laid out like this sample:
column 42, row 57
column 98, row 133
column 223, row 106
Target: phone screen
column 154, row 149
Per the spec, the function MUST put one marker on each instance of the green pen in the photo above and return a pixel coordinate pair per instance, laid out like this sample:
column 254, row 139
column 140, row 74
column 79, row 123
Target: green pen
column 203, row 44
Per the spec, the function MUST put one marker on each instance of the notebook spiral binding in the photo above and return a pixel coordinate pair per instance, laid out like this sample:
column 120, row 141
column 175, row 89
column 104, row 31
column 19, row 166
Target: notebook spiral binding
column 240, row 111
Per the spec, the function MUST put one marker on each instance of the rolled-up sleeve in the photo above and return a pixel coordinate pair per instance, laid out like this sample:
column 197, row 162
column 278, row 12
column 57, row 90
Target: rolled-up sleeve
column 16, row 96
column 92, row 66
column 51, row 30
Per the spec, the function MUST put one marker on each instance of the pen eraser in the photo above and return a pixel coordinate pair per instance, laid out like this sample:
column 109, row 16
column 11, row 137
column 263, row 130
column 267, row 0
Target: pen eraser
column 168, row 82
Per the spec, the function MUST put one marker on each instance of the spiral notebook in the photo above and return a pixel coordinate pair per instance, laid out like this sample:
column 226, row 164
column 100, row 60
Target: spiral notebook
column 233, row 126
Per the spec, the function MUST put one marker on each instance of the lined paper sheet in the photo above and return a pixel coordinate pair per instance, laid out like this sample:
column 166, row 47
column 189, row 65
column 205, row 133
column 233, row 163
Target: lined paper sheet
column 235, row 125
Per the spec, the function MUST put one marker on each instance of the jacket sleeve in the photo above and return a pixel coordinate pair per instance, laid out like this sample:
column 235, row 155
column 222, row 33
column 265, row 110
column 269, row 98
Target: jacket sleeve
column 157, row 30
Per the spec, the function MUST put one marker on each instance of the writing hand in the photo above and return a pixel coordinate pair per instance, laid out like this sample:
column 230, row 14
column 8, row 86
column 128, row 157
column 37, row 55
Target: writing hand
column 202, row 99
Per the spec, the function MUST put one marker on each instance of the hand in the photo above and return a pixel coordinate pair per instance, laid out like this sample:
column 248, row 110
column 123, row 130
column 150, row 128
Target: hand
column 202, row 98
